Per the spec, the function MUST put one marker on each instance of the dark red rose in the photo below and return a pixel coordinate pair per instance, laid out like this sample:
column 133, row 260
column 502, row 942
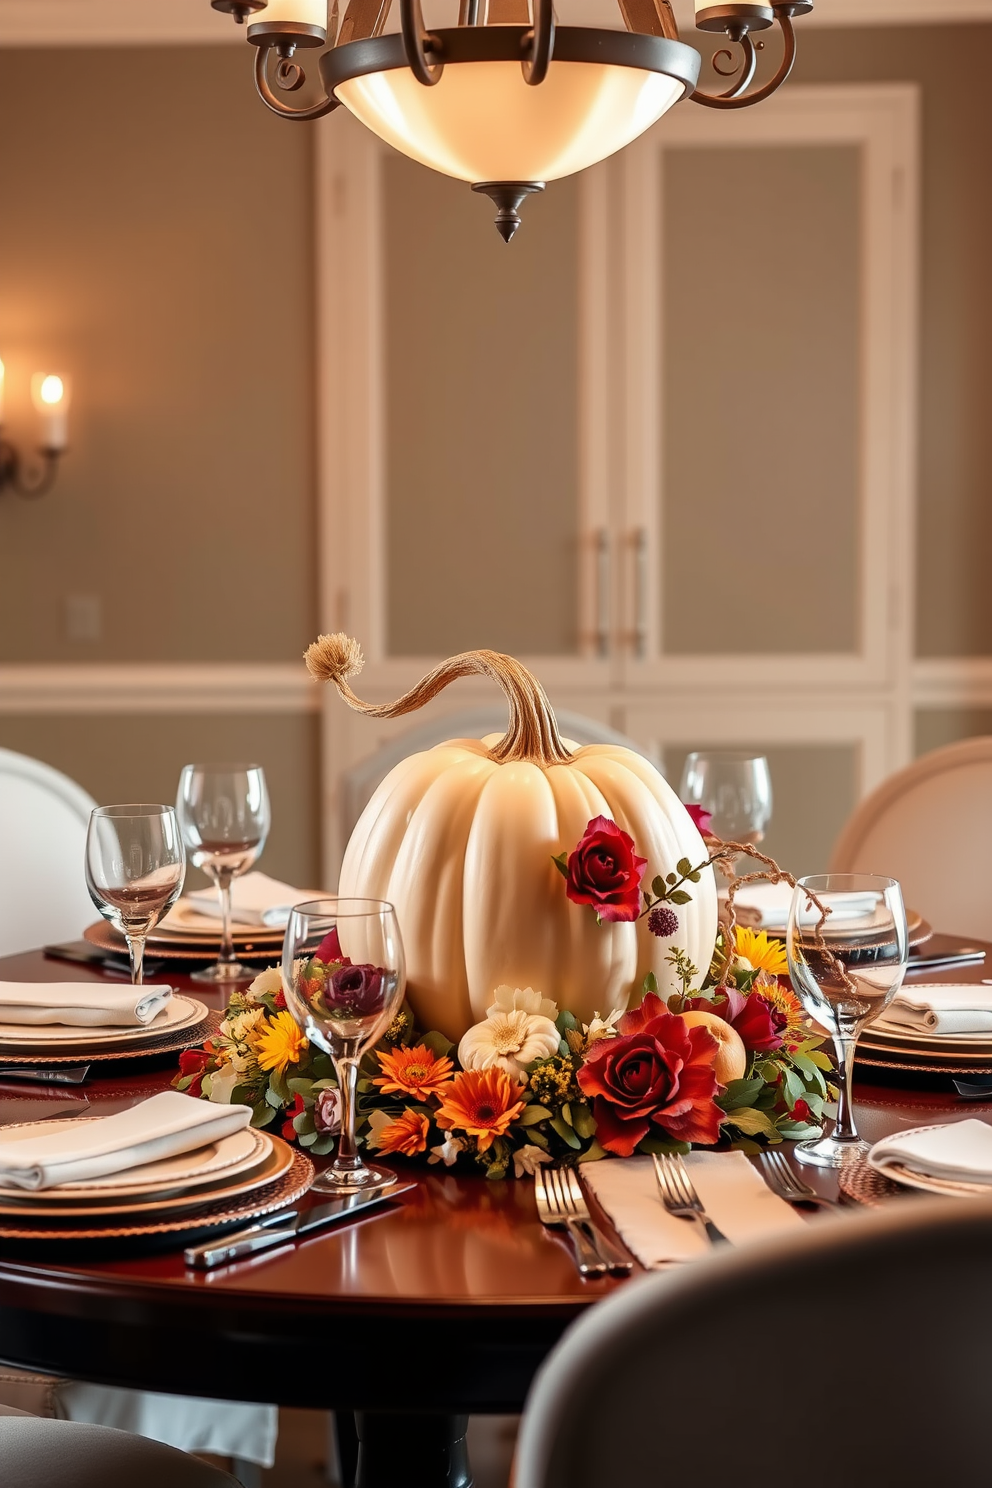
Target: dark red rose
column 658, row 1073
column 702, row 818
column 605, row 871
column 356, row 991
column 194, row 1062
column 288, row 1129
column 329, row 949
column 750, row 1014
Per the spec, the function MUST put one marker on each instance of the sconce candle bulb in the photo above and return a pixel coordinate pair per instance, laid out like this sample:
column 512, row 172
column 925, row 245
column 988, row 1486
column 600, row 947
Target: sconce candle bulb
column 51, row 398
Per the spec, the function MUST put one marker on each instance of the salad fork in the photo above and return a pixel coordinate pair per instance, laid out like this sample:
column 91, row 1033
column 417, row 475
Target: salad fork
column 679, row 1196
column 553, row 1215
column 573, row 1200
column 781, row 1178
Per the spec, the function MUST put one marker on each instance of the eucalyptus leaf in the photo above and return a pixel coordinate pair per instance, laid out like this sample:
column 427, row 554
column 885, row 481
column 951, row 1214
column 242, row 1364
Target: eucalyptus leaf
column 583, row 1121
column 565, row 1132
column 298, row 1086
column 531, row 1115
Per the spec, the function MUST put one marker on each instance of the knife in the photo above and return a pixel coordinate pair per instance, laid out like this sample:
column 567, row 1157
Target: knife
column 280, row 1229
column 966, row 956
column 70, row 1074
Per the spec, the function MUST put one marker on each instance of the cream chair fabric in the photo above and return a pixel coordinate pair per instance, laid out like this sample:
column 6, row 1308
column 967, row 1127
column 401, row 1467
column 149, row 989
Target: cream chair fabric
column 929, row 826
column 43, row 820
column 37, row 1453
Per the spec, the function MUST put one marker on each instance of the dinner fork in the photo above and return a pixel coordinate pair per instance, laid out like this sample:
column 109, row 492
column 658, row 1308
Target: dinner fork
column 573, row 1201
column 679, row 1196
column 784, row 1181
column 554, row 1215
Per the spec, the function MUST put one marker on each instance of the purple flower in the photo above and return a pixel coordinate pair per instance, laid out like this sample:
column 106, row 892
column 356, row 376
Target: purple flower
column 663, row 920
column 356, row 991
column 327, row 1111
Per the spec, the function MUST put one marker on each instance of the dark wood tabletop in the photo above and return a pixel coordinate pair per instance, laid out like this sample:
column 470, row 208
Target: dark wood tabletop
column 445, row 1302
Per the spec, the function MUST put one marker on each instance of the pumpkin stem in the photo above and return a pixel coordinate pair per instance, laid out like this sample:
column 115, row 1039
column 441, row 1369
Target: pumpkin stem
column 533, row 730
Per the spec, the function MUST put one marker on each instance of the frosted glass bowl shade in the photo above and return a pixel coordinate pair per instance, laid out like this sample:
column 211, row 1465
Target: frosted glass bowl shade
column 483, row 122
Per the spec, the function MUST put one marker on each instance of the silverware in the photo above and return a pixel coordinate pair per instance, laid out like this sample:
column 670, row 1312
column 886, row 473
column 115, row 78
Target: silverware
column 966, row 956
column 555, row 1214
column 292, row 1225
column 680, row 1197
column 784, row 1181
column 69, row 1074
column 572, row 1198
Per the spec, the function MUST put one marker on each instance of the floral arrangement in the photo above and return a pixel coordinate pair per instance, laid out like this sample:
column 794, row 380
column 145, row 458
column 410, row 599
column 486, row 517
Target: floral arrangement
column 734, row 1063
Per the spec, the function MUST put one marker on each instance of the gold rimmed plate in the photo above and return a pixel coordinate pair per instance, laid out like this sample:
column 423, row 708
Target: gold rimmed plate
column 183, row 948
column 180, row 1014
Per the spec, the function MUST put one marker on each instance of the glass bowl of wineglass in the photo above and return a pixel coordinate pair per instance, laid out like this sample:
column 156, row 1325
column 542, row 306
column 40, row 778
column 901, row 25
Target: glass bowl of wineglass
column 735, row 787
column 848, row 949
column 344, row 974
column 135, row 866
column 224, row 816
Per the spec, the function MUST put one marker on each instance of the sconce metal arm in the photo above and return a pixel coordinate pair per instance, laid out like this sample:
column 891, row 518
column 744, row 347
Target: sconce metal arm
column 736, row 97
column 15, row 477
column 289, row 76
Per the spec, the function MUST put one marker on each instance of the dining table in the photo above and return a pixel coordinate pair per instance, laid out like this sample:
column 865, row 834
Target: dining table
column 404, row 1322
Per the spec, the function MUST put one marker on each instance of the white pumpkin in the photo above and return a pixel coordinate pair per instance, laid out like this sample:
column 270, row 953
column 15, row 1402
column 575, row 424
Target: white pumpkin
column 460, row 838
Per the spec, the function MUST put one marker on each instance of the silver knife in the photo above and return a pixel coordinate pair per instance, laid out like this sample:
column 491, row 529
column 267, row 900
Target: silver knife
column 280, row 1229
column 968, row 955
column 71, row 1074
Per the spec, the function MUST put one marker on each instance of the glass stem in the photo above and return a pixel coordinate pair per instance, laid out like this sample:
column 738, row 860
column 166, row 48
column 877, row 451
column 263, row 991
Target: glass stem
column 136, row 950
column 226, row 956
column 844, row 1128
column 347, row 1159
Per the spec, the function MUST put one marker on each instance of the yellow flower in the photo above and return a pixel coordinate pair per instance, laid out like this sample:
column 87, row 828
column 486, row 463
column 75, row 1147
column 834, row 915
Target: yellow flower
column 762, row 953
column 281, row 1043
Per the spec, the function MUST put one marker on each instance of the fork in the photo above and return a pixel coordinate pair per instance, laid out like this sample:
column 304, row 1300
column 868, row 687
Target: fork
column 783, row 1180
column 680, row 1197
column 553, row 1214
column 573, row 1201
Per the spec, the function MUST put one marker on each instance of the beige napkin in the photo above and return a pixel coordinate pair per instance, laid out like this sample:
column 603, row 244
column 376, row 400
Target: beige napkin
column 771, row 903
column 734, row 1195
column 160, row 1127
column 940, row 1007
column 256, row 899
column 82, row 1004
column 958, row 1149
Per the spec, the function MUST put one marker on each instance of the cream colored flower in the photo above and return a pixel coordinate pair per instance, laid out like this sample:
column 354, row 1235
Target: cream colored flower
column 242, row 1025
column 447, row 1152
column 377, row 1121
column 267, row 983
column 510, row 1037
column 528, row 1159
column 522, row 999
column 222, row 1083
column 601, row 1028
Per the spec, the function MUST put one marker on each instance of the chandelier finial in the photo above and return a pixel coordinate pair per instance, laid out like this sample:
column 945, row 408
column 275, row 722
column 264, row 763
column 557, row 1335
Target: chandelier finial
column 508, row 196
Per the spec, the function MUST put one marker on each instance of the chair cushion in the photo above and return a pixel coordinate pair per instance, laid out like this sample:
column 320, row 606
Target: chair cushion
column 37, row 1453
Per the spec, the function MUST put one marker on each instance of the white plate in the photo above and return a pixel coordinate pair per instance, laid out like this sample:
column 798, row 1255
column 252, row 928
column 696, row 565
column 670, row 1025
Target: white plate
column 216, row 1162
column 909, row 1177
column 185, row 920
column 179, row 1012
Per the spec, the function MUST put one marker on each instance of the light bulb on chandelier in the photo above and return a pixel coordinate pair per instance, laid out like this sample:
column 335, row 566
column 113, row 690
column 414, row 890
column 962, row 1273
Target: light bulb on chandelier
column 507, row 99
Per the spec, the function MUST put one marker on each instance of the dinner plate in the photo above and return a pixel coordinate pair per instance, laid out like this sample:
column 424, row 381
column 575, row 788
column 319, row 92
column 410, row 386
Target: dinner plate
column 911, row 1178
column 276, row 1161
column 185, row 948
column 180, row 1012
column 227, row 1158
column 184, row 922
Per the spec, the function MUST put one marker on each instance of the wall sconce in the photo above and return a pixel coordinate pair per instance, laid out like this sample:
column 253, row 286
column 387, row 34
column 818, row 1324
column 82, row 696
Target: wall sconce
column 50, row 395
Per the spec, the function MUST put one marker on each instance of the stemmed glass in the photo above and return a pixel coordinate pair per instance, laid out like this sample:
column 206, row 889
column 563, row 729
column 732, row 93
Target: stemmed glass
column 735, row 787
column 224, row 817
column 844, row 981
column 344, row 974
column 135, row 866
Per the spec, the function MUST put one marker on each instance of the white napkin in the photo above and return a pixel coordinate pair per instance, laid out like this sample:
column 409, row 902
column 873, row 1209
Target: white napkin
column 256, row 899
column 771, row 902
column 940, row 1007
column 82, row 1004
column 734, row 1195
column 160, row 1127
column 958, row 1149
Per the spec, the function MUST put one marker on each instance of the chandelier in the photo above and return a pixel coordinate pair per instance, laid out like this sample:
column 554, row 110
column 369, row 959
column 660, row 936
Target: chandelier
column 507, row 99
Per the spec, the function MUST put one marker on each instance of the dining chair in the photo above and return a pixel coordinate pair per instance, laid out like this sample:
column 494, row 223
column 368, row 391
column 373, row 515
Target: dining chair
column 855, row 1354
column 929, row 826
column 39, row 1453
column 43, row 821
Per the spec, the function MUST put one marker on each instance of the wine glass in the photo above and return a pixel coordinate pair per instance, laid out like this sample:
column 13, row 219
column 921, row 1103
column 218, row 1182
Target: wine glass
column 735, row 787
column 344, row 973
column 844, row 980
column 224, row 817
column 135, row 866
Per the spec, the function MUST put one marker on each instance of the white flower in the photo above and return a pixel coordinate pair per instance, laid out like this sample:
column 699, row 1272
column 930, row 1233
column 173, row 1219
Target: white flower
column 447, row 1152
column 241, row 1025
column 377, row 1121
column 509, row 1036
column 268, row 982
column 601, row 1028
column 222, row 1083
column 528, row 1159
column 525, row 999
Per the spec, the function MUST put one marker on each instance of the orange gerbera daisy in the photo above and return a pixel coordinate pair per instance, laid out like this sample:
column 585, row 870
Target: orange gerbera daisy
column 407, row 1134
column 482, row 1103
column 280, row 1043
column 796, row 1024
column 417, row 1072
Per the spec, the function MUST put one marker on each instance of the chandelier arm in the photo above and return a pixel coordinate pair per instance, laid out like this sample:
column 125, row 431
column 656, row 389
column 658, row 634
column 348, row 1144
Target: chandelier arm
column 750, row 65
column 733, row 100
column 540, row 43
column 417, row 42
column 13, row 474
column 272, row 101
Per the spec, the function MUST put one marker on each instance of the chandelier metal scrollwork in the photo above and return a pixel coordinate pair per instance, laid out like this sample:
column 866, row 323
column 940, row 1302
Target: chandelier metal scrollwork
column 588, row 90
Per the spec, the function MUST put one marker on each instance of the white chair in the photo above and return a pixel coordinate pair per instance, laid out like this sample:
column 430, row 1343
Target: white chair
column 362, row 779
column 929, row 826
column 43, row 819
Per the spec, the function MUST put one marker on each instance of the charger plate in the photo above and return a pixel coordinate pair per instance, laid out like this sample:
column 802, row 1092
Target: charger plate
column 188, row 1038
column 866, row 1184
column 223, row 1211
column 183, row 948
column 180, row 1012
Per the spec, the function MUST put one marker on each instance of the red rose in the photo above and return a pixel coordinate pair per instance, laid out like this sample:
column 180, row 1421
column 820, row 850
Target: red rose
column 750, row 1014
column 194, row 1062
column 329, row 950
column 605, row 871
column 702, row 819
column 288, row 1129
column 657, row 1073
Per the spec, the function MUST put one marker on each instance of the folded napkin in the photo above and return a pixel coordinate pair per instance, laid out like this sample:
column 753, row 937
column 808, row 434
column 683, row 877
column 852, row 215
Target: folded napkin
column 256, row 899
column 160, row 1127
column 771, row 902
column 734, row 1195
column 940, row 1007
column 958, row 1149
column 83, row 1004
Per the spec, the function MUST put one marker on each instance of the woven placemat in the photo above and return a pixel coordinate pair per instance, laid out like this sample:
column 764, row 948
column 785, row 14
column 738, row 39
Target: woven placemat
column 266, row 954
column 859, row 1181
column 187, row 1038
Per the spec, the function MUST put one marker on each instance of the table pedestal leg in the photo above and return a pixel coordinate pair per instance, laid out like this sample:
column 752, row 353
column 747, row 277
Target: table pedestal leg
column 417, row 1451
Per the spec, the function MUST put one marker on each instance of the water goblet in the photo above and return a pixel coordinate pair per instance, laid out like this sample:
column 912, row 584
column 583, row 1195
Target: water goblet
column 224, row 816
column 135, row 866
column 844, row 979
column 735, row 787
column 344, row 975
